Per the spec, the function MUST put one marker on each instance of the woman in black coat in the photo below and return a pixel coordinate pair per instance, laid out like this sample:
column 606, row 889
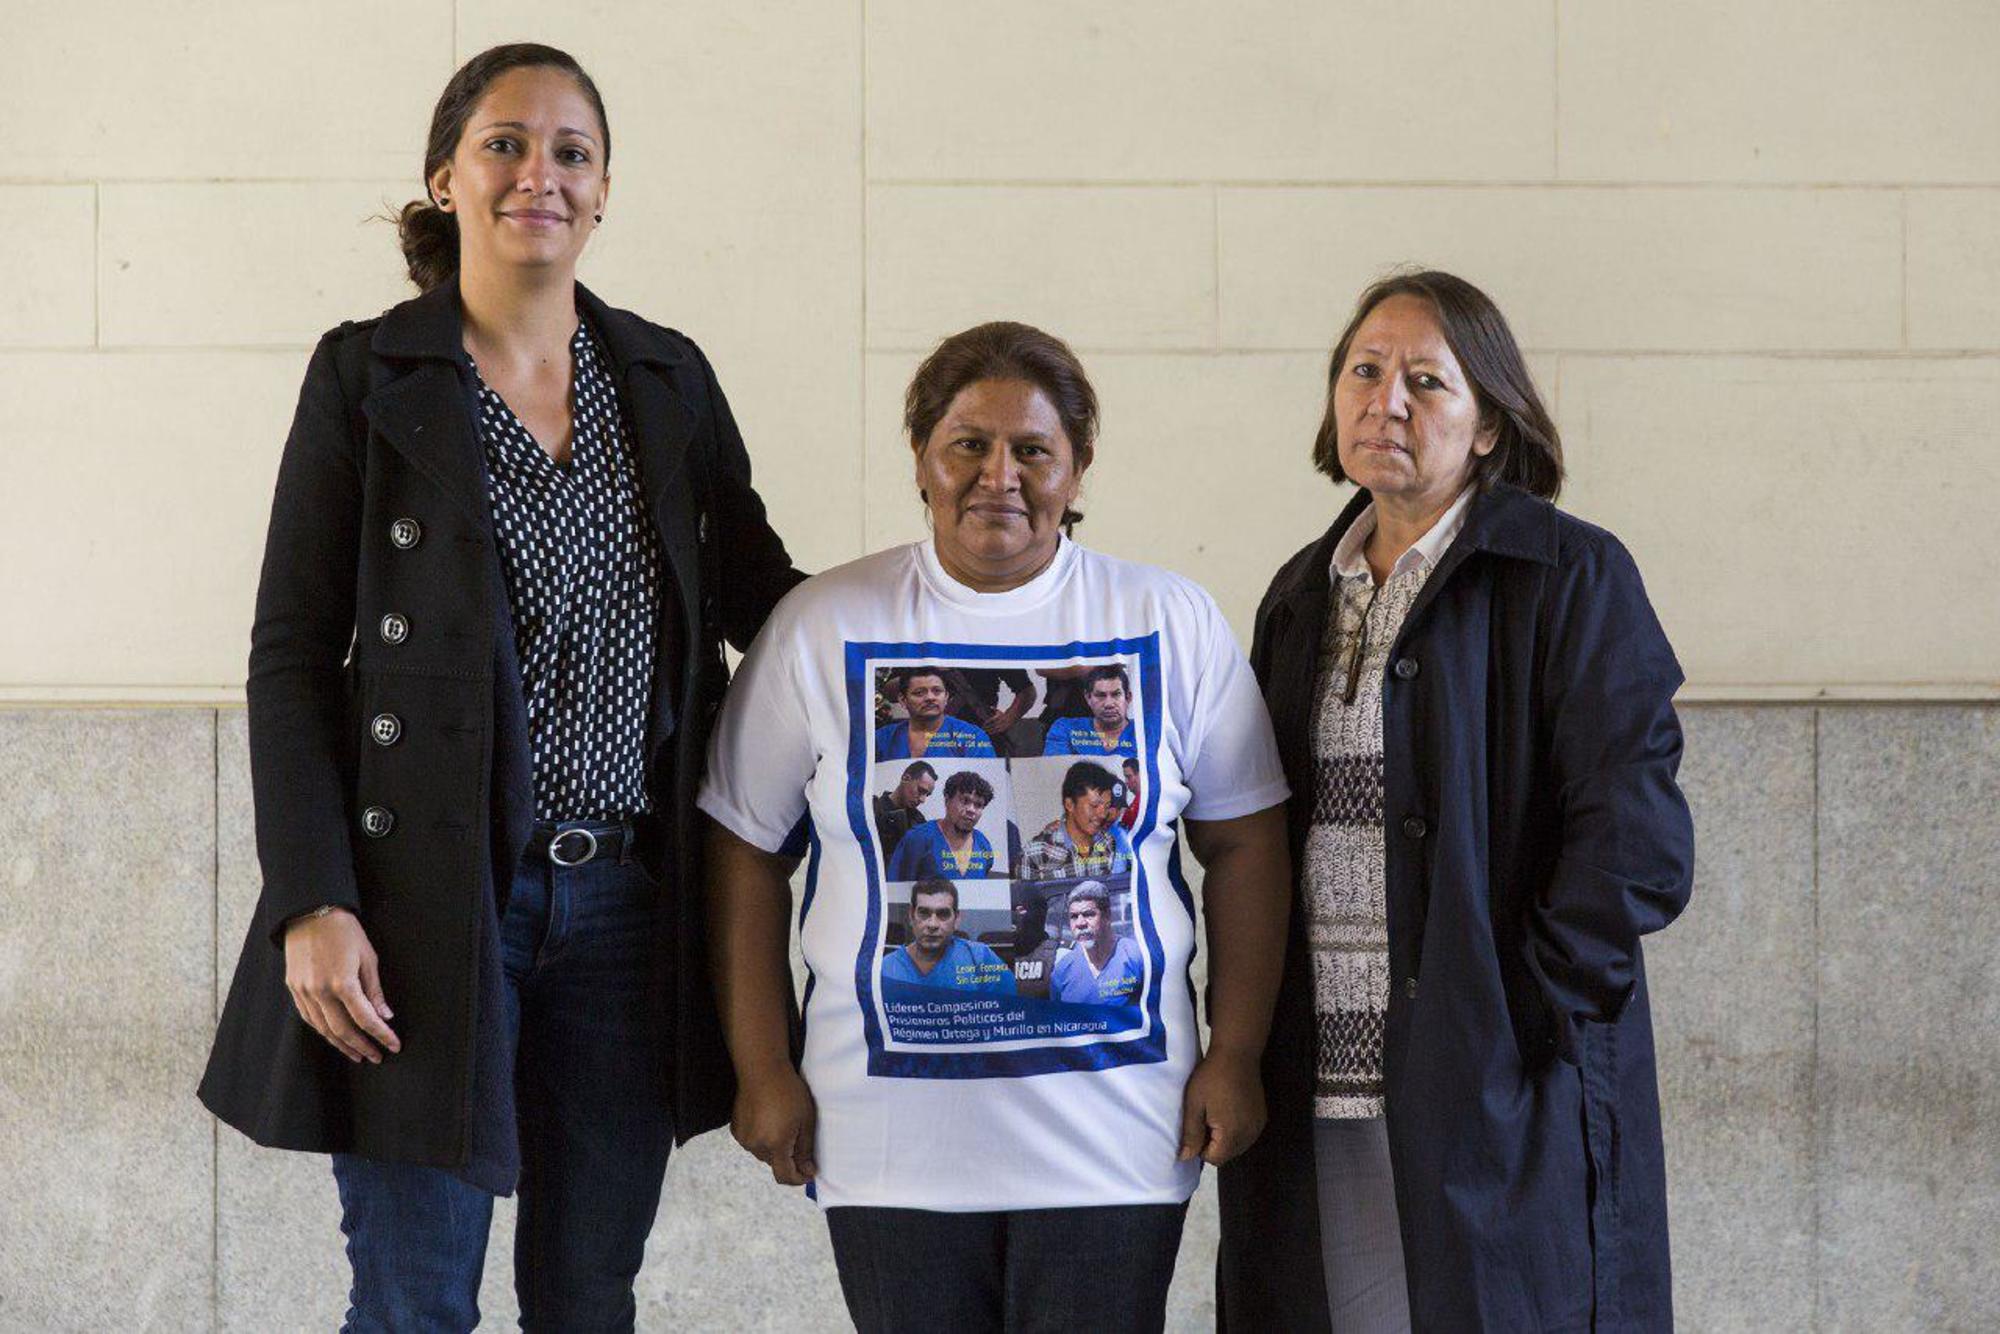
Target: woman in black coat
column 512, row 526
column 1474, row 703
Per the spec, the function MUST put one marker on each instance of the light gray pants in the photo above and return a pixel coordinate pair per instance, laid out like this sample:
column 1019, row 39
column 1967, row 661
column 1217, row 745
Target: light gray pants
column 1360, row 1243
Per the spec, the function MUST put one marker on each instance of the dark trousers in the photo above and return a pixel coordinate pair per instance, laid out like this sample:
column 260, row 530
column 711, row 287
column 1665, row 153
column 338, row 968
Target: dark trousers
column 579, row 947
column 1061, row 1270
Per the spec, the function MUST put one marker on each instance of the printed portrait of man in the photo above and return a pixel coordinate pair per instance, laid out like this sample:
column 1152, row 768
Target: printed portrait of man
column 950, row 846
column 1128, row 815
column 1101, row 967
column 1109, row 729
column 896, row 811
column 1035, row 950
column 929, row 730
column 1086, row 840
column 937, row 956
column 974, row 696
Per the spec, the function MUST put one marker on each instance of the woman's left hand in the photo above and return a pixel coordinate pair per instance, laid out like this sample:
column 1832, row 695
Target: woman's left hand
column 1222, row 1109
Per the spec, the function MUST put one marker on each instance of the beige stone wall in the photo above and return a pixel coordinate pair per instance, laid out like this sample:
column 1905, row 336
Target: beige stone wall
column 1754, row 250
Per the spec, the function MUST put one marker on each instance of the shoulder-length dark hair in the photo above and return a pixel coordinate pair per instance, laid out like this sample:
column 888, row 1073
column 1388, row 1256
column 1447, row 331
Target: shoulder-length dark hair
column 429, row 235
column 1527, row 451
column 1004, row 350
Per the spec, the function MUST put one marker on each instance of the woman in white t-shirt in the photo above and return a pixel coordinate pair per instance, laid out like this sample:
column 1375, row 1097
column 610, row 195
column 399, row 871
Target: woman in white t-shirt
column 991, row 1155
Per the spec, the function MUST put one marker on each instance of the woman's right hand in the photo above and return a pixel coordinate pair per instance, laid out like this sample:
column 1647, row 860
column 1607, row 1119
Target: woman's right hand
column 775, row 1120
column 331, row 971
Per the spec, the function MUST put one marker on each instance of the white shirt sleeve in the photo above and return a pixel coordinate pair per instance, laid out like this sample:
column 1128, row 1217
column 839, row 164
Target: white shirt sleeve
column 761, row 755
column 1232, row 766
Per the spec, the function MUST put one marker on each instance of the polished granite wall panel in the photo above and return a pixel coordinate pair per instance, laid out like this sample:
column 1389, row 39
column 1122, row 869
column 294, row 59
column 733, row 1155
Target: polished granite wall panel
column 278, row 1255
column 1909, row 1022
column 107, row 873
column 1860, row 1187
column 280, row 1260
column 1732, row 993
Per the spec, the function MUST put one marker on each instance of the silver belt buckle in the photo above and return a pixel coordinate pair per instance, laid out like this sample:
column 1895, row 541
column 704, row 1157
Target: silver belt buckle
column 589, row 847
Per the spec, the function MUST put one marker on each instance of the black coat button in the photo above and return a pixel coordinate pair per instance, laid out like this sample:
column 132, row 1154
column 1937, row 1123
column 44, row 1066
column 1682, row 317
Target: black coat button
column 1410, row 987
column 387, row 729
column 1406, row 668
column 406, row 533
column 394, row 629
column 377, row 821
column 1414, row 826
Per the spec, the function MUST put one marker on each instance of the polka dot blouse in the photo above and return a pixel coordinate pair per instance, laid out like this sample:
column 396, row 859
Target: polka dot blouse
column 582, row 565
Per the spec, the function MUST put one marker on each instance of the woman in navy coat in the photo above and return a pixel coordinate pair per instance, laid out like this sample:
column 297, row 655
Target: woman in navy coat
column 1474, row 702
column 513, row 525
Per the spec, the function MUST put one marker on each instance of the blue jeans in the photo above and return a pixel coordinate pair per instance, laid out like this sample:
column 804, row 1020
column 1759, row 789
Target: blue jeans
column 1025, row 1270
column 579, row 947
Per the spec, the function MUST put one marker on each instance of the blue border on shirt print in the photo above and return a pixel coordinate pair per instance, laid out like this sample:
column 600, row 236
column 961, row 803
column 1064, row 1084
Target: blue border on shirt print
column 1108, row 1054
column 805, row 906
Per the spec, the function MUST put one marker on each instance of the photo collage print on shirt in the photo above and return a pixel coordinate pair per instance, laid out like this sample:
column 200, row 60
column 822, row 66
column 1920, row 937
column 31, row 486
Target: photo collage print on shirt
column 999, row 797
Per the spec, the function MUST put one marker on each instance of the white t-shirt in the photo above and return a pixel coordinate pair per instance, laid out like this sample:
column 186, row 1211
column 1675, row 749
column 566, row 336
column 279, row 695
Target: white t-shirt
column 945, row 1085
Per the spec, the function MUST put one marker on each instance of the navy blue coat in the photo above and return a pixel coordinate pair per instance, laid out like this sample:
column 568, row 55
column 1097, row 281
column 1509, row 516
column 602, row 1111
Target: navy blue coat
column 385, row 432
column 1534, row 833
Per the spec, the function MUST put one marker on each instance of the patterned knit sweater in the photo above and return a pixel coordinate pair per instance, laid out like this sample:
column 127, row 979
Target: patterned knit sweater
column 1344, row 866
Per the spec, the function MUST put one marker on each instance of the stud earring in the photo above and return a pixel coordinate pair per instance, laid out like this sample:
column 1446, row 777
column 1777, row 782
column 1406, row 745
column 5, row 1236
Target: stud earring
column 600, row 217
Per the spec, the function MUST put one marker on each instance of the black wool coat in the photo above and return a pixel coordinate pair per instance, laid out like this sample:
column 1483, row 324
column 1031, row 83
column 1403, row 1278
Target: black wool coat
column 381, row 512
column 1534, row 832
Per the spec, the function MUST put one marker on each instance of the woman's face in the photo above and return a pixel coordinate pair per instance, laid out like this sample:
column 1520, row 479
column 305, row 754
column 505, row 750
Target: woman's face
column 527, row 178
column 1406, row 423
column 998, row 471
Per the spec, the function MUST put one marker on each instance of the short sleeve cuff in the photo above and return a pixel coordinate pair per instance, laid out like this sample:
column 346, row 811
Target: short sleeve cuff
column 763, row 836
column 1239, row 802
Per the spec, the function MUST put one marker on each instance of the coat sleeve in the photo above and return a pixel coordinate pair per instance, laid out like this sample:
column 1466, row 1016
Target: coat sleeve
column 1624, row 865
column 755, row 570
column 298, row 647
column 1260, row 632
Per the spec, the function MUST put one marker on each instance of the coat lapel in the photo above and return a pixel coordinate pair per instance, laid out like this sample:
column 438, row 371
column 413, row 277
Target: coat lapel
column 663, row 426
column 1505, row 521
column 662, row 422
column 427, row 416
column 1297, row 624
column 426, row 413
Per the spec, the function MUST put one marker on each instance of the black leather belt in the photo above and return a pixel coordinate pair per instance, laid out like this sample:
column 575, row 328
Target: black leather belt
column 581, row 841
